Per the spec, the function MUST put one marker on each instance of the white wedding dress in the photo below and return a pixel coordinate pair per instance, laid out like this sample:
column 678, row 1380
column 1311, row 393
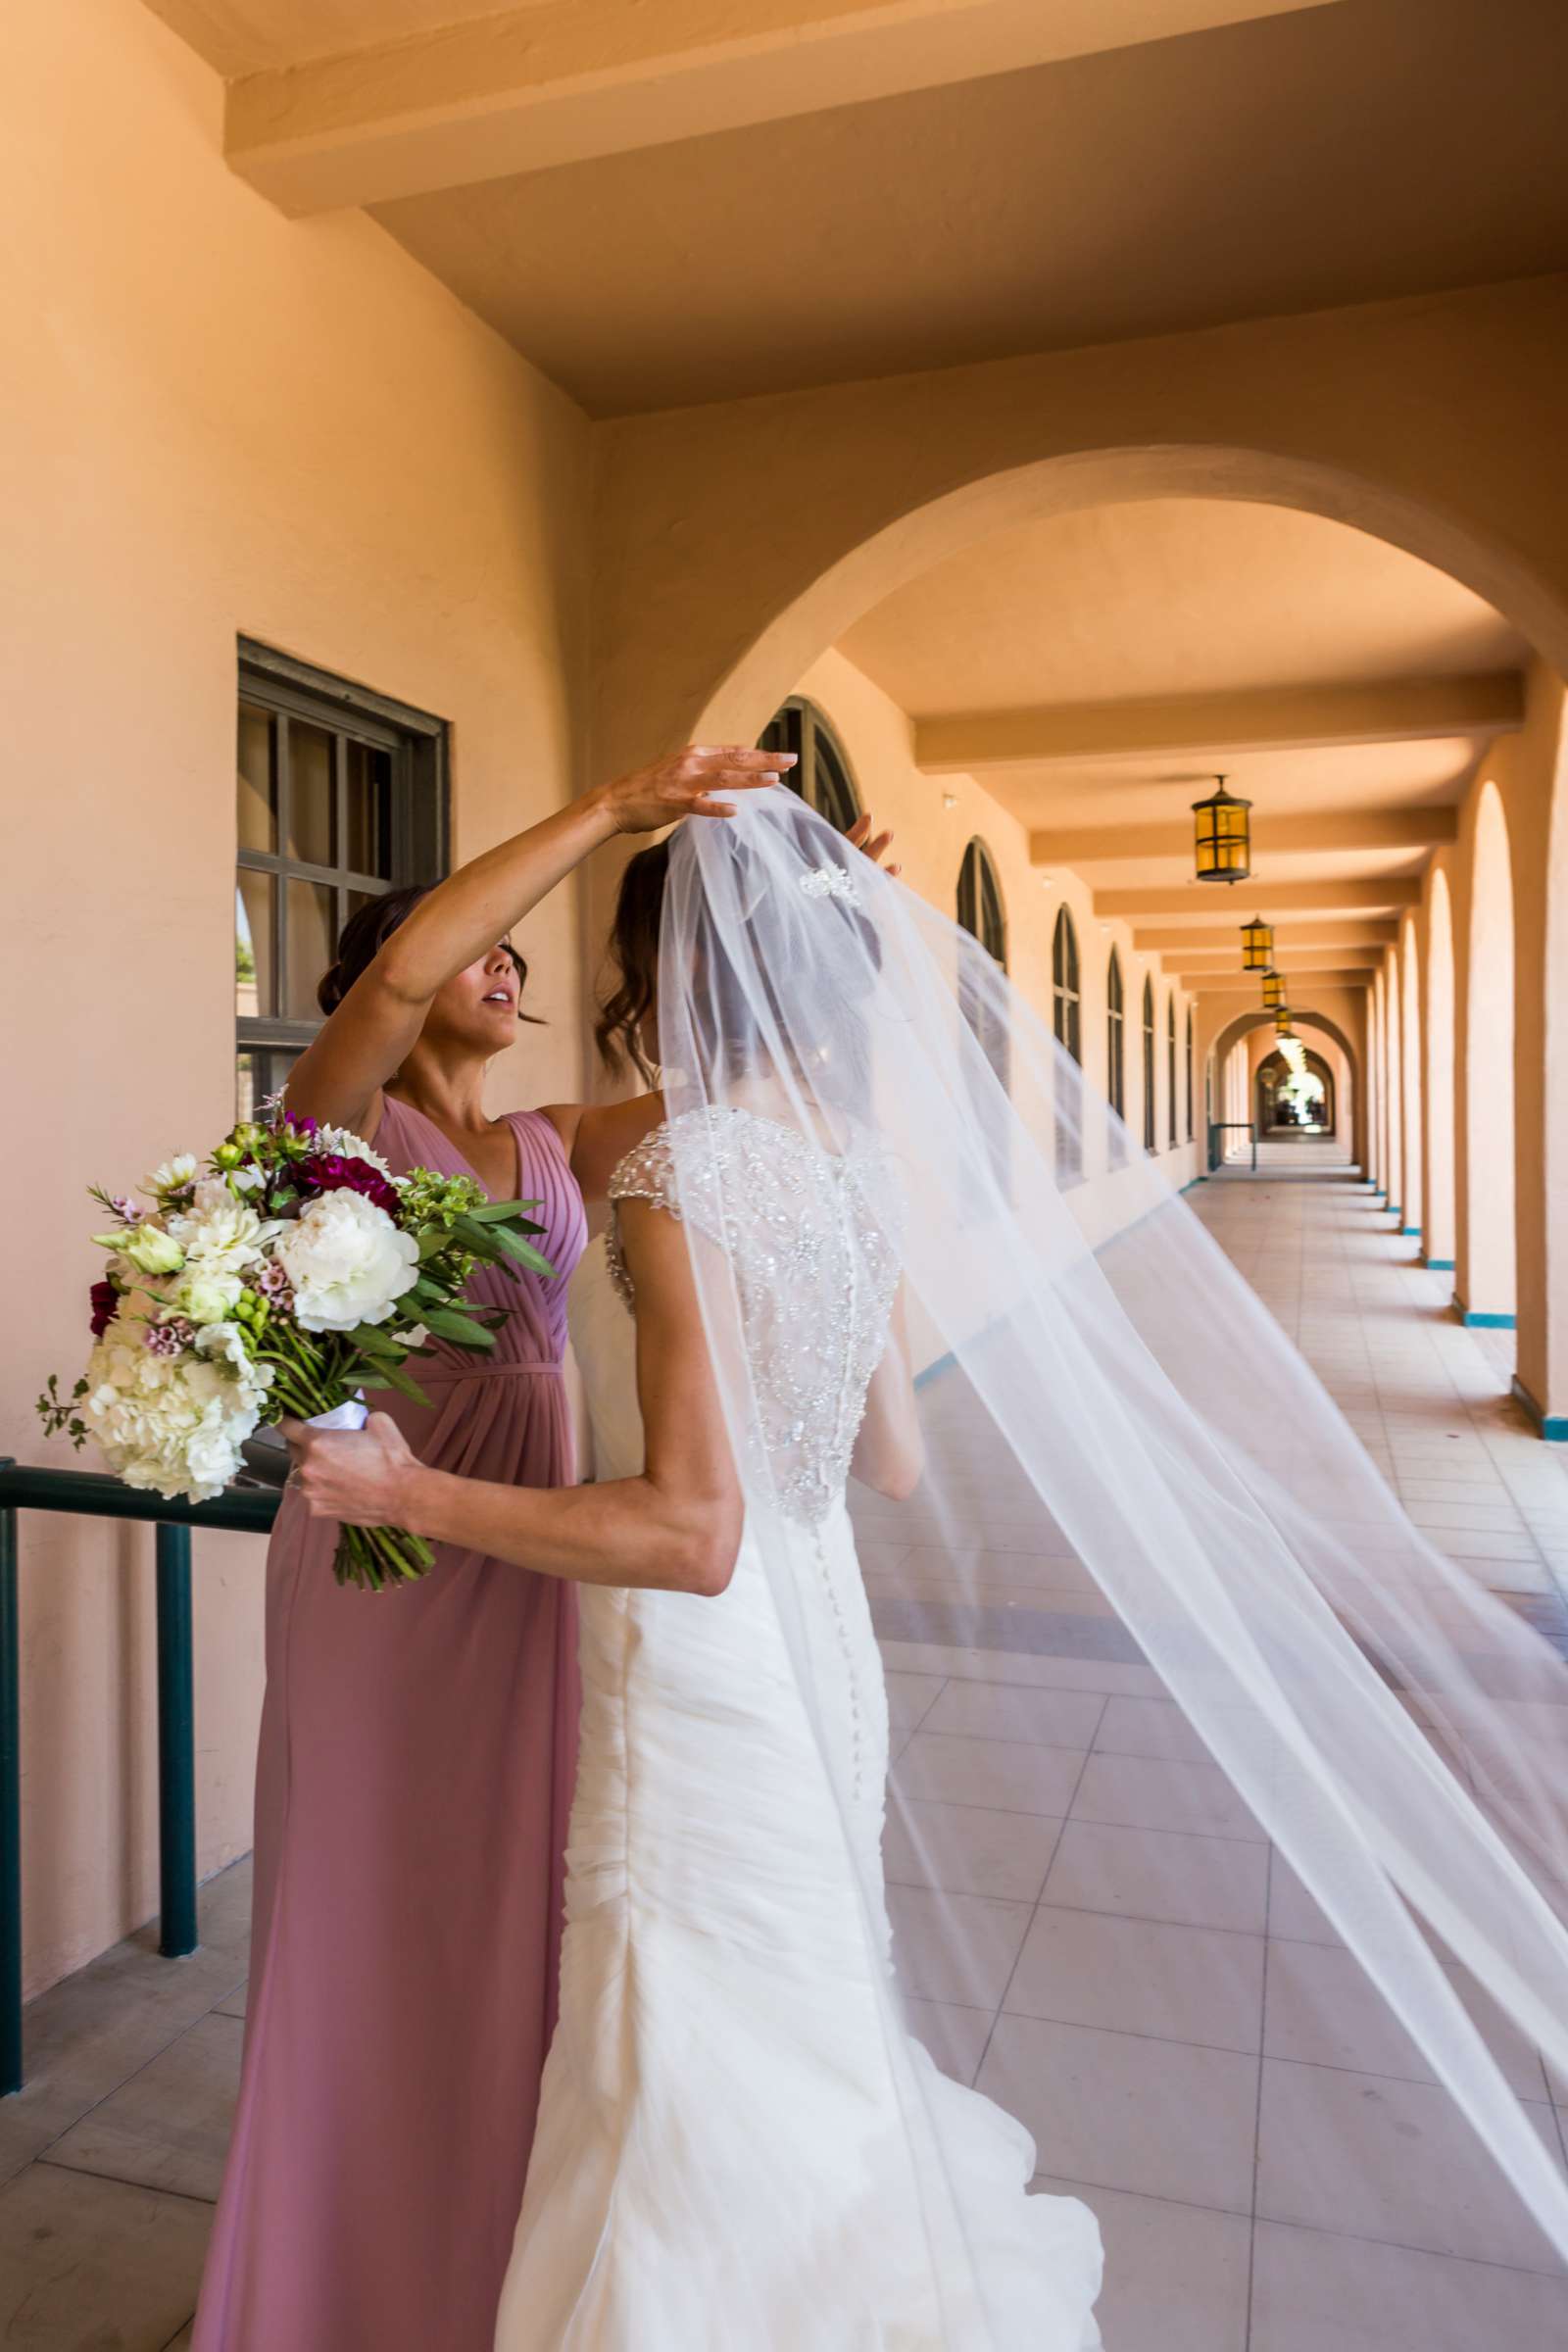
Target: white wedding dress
column 725, row 2158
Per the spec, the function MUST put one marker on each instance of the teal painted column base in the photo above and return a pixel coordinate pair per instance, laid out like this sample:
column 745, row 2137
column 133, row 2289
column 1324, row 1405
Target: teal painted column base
column 1438, row 1266
column 1474, row 1320
column 1395, row 1210
column 1410, row 1233
column 1553, row 1427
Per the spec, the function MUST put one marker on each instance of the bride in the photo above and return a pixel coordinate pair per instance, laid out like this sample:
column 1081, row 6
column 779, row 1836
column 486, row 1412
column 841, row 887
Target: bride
column 739, row 2143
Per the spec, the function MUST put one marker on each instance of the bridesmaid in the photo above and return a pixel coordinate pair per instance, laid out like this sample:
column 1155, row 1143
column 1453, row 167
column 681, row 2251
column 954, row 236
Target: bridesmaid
column 417, row 1745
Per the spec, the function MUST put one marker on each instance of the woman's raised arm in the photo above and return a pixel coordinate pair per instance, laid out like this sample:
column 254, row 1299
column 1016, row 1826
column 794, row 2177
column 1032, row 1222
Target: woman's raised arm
column 368, row 1037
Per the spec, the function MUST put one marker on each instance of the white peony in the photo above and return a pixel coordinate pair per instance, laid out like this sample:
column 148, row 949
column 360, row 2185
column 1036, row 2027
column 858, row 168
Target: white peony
column 347, row 1262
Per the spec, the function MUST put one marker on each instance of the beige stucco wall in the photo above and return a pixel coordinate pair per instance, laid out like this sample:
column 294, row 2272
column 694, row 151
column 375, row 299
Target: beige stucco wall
column 215, row 422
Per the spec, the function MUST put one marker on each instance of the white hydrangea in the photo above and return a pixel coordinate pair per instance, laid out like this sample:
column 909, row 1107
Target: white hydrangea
column 173, row 1424
column 347, row 1262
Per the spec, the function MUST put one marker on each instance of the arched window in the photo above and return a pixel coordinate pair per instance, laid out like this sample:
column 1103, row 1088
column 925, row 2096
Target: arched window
column 821, row 771
column 1066, row 1011
column 1148, row 1065
column 1115, row 1024
column 980, row 913
column 1171, row 1067
column 1189, row 1073
column 980, row 902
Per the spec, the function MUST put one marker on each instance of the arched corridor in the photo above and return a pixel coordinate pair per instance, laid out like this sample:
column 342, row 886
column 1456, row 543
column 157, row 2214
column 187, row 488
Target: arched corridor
column 549, row 383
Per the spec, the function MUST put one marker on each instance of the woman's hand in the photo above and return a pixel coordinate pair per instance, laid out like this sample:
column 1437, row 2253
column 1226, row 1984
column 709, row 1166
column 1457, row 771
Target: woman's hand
column 874, row 846
column 681, row 785
column 362, row 1476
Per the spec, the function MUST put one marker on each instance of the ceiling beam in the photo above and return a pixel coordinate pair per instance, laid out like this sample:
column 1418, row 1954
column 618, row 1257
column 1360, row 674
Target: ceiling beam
column 1341, row 975
column 1326, row 898
column 560, row 81
column 1290, row 936
column 1277, row 836
column 1214, row 725
column 1292, row 961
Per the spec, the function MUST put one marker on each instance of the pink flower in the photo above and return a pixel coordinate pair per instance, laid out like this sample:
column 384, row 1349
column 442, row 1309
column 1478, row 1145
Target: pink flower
column 171, row 1338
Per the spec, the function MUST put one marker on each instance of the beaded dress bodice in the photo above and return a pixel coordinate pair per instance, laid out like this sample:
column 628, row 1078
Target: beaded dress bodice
column 811, row 1245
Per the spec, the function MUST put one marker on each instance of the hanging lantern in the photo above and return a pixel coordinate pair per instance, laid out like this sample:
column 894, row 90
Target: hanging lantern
column 1281, row 1021
column 1222, row 844
column 1257, row 945
column 1273, row 989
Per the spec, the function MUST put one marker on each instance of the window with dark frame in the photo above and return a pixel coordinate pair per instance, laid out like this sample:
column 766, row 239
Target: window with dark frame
column 1148, row 1065
column 1189, row 1073
column 1066, row 1005
column 1115, row 1026
column 1170, row 1067
column 981, row 913
column 340, row 796
column 821, row 771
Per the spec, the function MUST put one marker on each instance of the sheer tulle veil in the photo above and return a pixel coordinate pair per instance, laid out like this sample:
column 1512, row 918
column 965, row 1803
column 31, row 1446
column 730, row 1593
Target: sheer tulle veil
column 1129, row 1468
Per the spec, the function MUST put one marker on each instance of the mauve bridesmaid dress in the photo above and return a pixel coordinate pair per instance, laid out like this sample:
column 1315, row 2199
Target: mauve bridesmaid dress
column 416, row 1770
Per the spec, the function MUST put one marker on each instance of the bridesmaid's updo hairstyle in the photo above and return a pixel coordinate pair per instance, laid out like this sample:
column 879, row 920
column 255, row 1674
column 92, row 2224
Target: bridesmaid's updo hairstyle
column 366, row 934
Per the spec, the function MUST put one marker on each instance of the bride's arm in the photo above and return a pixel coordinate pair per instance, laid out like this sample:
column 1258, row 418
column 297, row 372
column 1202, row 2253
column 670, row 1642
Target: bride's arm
column 676, row 1526
column 889, row 1450
column 366, row 1037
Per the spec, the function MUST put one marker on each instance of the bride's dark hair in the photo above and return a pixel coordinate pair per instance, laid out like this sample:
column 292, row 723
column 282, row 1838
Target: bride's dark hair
column 628, row 995
column 633, row 951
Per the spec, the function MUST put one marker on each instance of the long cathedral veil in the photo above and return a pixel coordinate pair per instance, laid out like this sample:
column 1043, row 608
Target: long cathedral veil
column 1145, row 1544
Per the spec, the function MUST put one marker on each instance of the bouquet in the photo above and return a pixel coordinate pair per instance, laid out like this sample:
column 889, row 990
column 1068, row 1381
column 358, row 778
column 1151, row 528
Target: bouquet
column 294, row 1273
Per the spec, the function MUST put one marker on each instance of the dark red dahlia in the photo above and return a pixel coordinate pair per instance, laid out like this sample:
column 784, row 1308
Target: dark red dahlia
column 105, row 1299
column 331, row 1172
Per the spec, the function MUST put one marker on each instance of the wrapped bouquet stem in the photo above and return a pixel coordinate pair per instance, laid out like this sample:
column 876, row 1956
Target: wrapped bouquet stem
column 293, row 1274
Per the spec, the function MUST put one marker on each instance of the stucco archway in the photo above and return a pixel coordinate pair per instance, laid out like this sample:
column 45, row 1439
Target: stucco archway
column 1411, row 1070
column 1438, row 1031
column 1485, row 1287
column 1235, row 1088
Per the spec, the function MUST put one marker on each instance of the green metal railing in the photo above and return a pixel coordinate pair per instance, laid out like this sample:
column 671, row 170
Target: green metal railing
column 1219, row 1127
column 90, row 1495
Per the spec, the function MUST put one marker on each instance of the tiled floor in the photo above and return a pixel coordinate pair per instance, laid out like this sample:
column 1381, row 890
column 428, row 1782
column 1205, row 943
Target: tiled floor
column 1091, row 1922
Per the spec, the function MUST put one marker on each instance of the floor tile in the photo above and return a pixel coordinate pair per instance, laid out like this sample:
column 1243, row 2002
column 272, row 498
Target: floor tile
column 1139, row 1793
column 1009, row 1711
column 96, row 2266
column 1008, row 1774
column 956, row 2037
column 1139, row 1976
column 1150, row 1727
column 1160, row 1874
column 1372, row 2157
column 910, row 1697
column 168, row 2127
column 1175, row 2274
column 1155, row 2118
column 969, row 1849
column 1313, row 2292
column 955, row 1948
column 234, row 2004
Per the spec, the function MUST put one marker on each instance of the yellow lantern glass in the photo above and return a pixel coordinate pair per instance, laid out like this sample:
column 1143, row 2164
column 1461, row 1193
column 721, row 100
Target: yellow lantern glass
column 1281, row 1020
column 1273, row 991
column 1222, row 842
column 1257, row 945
